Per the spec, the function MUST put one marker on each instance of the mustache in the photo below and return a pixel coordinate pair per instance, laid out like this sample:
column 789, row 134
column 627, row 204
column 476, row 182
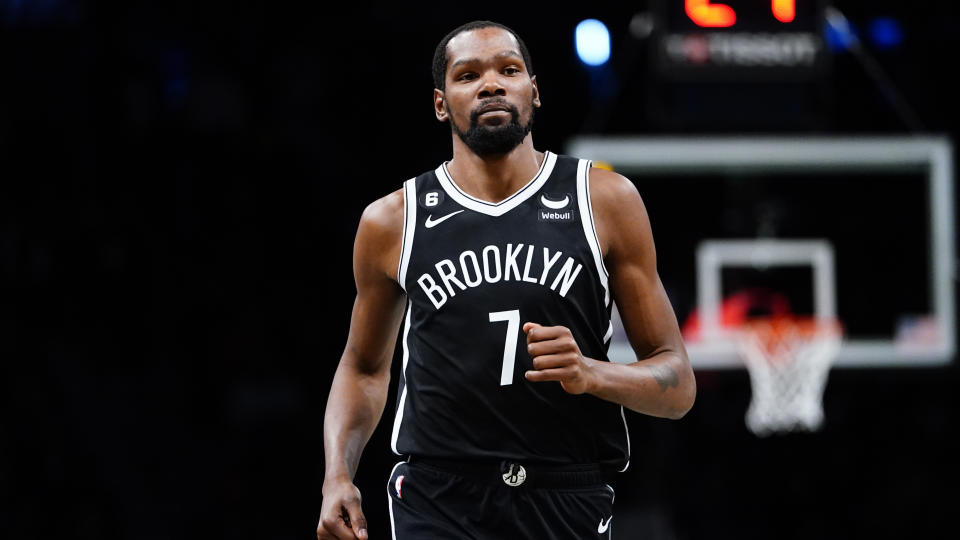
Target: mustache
column 475, row 113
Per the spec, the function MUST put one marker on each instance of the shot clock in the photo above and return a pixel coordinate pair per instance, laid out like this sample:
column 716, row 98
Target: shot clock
column 737, row 39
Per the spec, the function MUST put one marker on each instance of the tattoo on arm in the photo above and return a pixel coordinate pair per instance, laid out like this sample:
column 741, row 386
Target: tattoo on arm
column 665, row 376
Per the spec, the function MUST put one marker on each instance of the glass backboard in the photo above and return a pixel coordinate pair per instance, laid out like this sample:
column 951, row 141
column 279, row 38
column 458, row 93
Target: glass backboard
column 857, row 228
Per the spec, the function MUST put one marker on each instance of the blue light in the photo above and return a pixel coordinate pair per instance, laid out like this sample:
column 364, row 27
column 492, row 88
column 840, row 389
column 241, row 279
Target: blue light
column 593, row 42
column 886, row 32
column 840, row 35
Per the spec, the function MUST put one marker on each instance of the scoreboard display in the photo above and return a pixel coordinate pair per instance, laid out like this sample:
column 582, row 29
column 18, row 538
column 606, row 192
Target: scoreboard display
column 732, row 39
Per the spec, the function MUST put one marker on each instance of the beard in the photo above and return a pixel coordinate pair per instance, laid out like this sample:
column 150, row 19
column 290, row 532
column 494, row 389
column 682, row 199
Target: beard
column 487, row 141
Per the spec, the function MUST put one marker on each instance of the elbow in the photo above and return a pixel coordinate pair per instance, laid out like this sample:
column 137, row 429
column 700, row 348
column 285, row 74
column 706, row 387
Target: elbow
column 685, row 399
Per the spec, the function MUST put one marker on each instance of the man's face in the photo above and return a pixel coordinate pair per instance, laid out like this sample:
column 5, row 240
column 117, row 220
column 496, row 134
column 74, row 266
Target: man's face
column 489, row 96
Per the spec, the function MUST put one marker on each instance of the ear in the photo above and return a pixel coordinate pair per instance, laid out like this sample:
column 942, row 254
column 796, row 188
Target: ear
column 439, row 105
column 536, row 91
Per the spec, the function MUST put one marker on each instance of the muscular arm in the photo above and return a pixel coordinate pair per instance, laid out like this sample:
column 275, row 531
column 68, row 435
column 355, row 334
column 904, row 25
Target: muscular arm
column 661, row 382
column 359, row 390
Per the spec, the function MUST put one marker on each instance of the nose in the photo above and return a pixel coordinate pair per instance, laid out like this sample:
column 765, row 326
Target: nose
column 491, row 86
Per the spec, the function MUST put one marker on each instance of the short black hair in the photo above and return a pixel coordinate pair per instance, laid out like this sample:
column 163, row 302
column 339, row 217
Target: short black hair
column 440, row 55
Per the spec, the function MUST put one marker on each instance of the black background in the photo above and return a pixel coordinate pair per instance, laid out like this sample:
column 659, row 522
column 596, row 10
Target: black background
column 180, row 183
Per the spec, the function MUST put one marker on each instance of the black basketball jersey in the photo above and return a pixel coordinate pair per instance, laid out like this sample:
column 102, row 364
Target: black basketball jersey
column 474, row 273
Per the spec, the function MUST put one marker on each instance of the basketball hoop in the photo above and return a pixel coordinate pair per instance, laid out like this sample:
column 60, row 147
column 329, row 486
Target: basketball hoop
column 789, row 359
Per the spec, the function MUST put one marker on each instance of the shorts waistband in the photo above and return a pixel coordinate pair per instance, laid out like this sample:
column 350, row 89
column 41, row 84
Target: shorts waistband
column 519, row 474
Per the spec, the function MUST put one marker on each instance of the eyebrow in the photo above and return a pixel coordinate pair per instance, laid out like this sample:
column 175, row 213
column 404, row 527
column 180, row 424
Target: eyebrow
column 498, row 55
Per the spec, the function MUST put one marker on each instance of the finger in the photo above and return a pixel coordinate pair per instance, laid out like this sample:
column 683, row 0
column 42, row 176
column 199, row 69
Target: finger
column 336, row 527
column 555, row 374
column 358, row 521
column 552, row 346
column 334, row 531
column 527, row 326
column 541, row 333
column 553, row 361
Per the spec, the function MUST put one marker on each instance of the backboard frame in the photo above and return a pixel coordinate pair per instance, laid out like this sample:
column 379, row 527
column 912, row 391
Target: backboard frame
column 933, row 155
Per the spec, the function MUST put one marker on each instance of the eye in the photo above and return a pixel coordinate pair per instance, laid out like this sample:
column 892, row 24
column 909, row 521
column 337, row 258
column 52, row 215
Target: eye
column 467, row 76
column 511, row 70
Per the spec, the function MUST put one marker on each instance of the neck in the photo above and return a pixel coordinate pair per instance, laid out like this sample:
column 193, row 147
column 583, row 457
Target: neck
column 494, row 178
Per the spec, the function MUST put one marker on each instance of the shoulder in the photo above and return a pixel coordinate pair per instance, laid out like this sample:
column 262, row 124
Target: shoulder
column 619, row 214
column 380, row 232
column 612, row 191
column 384, row 214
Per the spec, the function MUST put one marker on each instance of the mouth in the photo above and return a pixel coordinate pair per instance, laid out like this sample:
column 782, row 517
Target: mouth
column 493, row 108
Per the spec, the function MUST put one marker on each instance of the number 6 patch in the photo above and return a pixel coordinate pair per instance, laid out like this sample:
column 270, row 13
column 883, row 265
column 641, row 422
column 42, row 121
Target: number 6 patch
column 430, row 199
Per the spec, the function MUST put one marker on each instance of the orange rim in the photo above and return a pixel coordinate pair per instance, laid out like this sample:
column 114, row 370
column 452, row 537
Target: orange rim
column 775, row 332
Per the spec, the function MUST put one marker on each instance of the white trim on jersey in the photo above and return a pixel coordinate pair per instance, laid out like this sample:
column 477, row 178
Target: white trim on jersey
column 626, row 432
column 589, row 230
column 613, row 494
column 393, row 525
column 409, row 226
column 403, row 373
column 504, row 206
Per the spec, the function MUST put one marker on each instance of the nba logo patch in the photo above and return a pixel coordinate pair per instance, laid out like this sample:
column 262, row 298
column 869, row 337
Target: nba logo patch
column 397, row 486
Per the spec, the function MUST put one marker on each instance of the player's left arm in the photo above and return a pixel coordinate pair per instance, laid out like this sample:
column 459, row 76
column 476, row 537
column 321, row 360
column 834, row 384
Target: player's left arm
column 661, row 383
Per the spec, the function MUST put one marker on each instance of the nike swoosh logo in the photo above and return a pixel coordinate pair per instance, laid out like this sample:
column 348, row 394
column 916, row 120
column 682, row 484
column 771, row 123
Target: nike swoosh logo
column 602, row 528
column 431, row 223
column 554, row 205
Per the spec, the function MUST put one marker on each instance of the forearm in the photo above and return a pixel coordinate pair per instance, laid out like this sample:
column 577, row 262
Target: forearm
column 354, row 408
column 662, row 385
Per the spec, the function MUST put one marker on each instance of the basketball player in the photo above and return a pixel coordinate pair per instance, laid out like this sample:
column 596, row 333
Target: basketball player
column 501, row 265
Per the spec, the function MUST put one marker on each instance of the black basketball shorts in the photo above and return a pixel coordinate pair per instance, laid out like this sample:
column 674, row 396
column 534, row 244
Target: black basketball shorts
column 430, row 499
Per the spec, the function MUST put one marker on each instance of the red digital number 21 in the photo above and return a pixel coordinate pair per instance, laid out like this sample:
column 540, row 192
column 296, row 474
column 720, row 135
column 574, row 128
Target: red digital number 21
column 711, row 15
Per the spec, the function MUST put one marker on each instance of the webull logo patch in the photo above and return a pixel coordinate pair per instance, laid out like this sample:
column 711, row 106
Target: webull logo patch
column 555, row 208
column 544, row 214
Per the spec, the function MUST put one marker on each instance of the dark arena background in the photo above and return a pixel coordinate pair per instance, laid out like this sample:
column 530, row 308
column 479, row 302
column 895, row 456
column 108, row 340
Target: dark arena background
column 181, row 181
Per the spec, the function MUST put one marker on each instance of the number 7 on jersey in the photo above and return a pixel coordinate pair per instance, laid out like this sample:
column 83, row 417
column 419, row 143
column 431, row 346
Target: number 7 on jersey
column 512, row 319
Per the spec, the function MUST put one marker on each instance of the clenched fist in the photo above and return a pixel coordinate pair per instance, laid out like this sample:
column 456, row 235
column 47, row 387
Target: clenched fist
column 556, row 357
column 341, row 517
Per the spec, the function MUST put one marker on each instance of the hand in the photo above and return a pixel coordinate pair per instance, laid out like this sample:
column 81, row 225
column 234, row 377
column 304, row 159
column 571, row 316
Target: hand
column 556, row 357
column 341, row 517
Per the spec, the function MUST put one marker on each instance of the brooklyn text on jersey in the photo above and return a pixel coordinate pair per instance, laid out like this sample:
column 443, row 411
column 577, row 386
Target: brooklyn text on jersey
column 474, row 271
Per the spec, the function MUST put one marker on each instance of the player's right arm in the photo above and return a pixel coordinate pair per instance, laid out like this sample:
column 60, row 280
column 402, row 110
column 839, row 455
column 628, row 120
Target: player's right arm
column 359, row 390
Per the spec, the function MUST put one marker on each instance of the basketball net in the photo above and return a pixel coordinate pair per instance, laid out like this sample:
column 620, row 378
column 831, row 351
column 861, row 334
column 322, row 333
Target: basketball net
column 788, row 359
